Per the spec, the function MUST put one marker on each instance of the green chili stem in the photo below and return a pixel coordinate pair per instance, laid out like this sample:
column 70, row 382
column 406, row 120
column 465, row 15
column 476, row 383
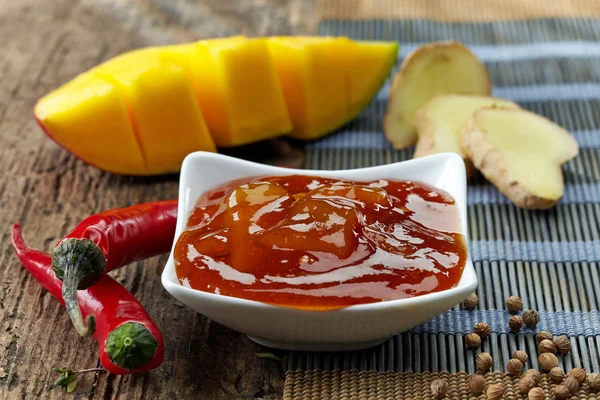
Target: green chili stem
column 69, row 292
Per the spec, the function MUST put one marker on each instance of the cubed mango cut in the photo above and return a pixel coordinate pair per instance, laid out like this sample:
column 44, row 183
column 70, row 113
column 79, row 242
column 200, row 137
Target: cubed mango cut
column 327, row 80
column 142, row 112
column 162, row 107
column 311, row 73
column 168, row 118
column 238, row 91
column 369, row 65
column 88, row 117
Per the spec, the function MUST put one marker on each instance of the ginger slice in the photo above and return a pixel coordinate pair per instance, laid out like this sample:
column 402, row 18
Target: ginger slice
column 521, row 153
column 439, row 122
column 430, row 70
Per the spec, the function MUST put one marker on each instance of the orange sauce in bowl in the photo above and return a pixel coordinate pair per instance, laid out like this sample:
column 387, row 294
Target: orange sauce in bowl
column 320, row 243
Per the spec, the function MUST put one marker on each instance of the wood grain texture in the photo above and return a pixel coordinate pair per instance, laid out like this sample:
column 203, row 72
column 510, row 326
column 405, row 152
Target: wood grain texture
column 44, row 188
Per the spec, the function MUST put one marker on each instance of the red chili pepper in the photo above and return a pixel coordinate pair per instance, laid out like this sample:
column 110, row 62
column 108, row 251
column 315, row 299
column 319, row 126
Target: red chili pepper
column 129, row 341
column 106, row 241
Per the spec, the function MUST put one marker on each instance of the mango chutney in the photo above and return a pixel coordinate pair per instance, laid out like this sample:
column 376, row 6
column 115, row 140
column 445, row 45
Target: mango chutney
column 321, row 243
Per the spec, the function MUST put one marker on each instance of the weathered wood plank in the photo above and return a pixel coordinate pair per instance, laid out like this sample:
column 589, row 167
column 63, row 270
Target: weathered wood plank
column 47, row 190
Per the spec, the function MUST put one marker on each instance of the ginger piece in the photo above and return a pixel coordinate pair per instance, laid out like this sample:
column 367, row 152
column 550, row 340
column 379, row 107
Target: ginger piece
column 521, row 153
column 430, row 70
column 440, row 120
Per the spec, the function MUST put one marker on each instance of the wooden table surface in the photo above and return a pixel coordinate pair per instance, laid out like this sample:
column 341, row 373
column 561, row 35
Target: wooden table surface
column 44, row 43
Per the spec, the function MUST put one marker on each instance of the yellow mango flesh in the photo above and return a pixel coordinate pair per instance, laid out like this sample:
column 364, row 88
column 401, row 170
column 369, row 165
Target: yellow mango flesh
column 162, row 107
column 369, row 64
column 311, row 72
column 168, row 118
column 179, row 55
column 143, row 111
column 327, row 81
column 238, row 91
column 88, row 117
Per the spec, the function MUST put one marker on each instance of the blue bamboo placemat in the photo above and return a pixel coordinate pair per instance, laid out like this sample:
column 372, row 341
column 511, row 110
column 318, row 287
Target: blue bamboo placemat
column 550, row 66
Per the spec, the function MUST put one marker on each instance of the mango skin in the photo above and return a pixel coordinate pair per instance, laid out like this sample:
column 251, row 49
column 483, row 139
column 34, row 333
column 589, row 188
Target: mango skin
column 117, row 130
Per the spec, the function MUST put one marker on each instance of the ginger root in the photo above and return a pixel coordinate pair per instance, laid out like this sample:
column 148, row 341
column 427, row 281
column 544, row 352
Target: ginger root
column 520, row 152
column 440, row 120
column 430, row 70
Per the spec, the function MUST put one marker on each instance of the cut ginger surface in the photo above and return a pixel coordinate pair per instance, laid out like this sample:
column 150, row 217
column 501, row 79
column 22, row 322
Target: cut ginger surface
column 430, row 70
column 439, row 122
column 519, row 152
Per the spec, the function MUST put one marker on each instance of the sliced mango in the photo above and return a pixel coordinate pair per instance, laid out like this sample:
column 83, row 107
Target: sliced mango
column 162, row 107
column 131, row 61
column 180, row 55
column 327, row 81
column 168, row 118
column 238, row 91
column 144, row 111
column 369, row 64
column 88, row 117
column 311, row 72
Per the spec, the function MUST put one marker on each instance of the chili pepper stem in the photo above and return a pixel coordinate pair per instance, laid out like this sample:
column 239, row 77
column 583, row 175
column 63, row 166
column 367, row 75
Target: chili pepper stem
column 129, row 341
column 69, row 294
column 78, row 263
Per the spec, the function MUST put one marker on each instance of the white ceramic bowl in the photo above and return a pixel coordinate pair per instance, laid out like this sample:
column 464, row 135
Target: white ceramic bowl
column 351, row 328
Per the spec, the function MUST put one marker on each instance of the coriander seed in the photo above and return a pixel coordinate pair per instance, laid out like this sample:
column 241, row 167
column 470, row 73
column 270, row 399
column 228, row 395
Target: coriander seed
column 533, row 374
column 572, row 384
column 439, row 388
column 514, row 304
column 514, row 367
column 536, row 394
column 548, row 361
column 483, row 361
column 543, row 335
column 526, row 383
column 531, row 318
column 515, row 323
column 562, row 344
column 547, row 346
column 495, row 391
column 556, row 375
column 521, row 356
column 593, row 380
column 476, row 384
column 472, row 340
column 561, row 392
column 482, row 329
column 579, row 374
column 471, row 302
